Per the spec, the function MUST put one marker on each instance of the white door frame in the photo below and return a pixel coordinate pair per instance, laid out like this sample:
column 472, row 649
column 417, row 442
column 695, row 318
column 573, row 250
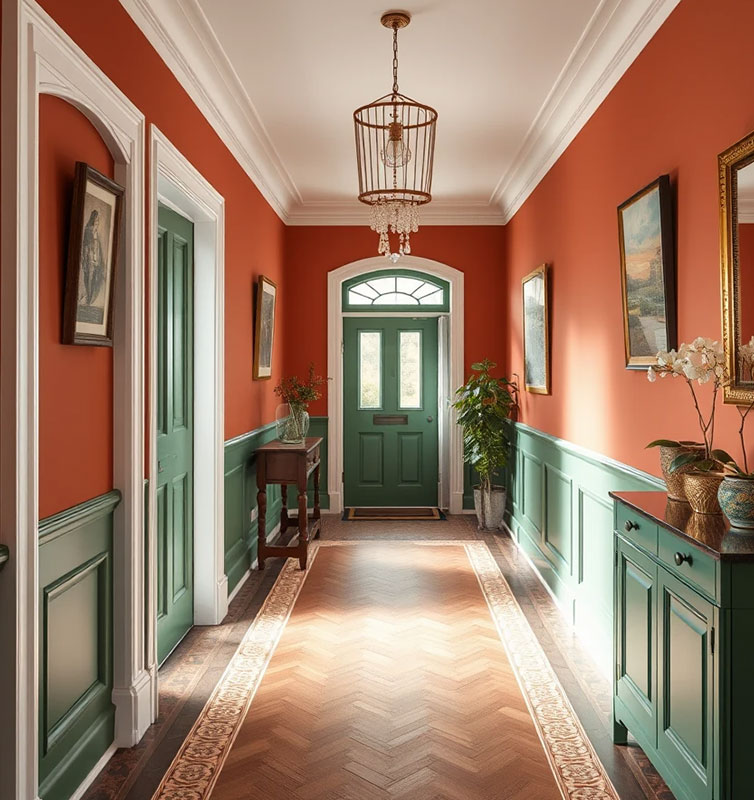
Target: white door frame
column 176, row 183
column 335, row 314
column 40, row 58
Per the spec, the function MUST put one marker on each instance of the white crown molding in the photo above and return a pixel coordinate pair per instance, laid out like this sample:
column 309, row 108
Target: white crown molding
column 180, row 33
column 438, row 212
column 617, row 32
column 615, row 35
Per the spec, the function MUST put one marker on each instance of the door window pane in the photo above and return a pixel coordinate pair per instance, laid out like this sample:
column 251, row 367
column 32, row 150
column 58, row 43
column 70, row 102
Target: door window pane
column 410, row 354
column 370, row 369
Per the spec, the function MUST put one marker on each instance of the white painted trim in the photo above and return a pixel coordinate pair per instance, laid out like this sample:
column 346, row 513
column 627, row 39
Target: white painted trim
column 94, row 772
column 614, row 37
column 438, row 212
column 44, row 60
column 335, row 279
column 175, row 182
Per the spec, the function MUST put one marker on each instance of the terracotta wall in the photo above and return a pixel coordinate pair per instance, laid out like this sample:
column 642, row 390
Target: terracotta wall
column 311, row 252
column 683, row 101
column 254, row 241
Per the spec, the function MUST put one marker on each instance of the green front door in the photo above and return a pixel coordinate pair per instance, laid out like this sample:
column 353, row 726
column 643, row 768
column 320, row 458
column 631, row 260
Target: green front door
column 175, row 450
column 390, row 411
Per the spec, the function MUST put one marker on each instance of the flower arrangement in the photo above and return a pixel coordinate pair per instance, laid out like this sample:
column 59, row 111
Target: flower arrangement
column 702, row 361
column 297, row 392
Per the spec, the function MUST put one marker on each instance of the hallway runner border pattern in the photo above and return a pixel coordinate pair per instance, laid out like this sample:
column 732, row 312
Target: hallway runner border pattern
column 577, row 769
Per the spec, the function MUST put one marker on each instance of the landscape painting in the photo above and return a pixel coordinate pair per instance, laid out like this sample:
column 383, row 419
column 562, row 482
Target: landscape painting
column 265, row 328
column 92, row 258
column 647, row 273
column 536, row 332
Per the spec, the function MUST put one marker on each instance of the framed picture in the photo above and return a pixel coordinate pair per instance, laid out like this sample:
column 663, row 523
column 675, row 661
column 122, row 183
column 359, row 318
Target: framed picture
column 536, row 331
column 93, row 250
column 647, row 263
column 265, row 328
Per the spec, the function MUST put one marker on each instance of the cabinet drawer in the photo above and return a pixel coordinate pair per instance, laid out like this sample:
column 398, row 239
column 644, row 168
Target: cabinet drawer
column 696, row 567
column 635, row 528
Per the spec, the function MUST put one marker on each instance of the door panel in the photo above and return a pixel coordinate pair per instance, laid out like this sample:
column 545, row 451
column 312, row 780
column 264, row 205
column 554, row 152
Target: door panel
column 175, row 392
column 637, row 657
column 390, row 411
column 686, row 668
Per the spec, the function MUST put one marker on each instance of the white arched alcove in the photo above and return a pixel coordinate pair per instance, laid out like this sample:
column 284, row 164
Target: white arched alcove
column 39, row 58
column 450, row 376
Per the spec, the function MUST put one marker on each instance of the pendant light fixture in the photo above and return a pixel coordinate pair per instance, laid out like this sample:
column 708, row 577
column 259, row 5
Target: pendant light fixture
column 395, row 147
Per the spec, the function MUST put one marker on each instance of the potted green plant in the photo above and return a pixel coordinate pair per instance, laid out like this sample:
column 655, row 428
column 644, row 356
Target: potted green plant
column 484, row 405
column 736, row 492
column 698, row 466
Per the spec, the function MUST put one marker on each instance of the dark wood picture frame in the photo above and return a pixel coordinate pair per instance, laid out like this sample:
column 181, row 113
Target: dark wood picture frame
column 664, row 270
column 264, row 328
column 541, row 273
column 93, row 193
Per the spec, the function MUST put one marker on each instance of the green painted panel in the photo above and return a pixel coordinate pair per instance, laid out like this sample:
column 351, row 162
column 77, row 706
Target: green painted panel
column 636, row 636
column 686, row 669
column 558, row 537
column 175, row 446
column 375, row 460
column 371, row 460
column 700, row 572
column 560, row 512
column 76, row 714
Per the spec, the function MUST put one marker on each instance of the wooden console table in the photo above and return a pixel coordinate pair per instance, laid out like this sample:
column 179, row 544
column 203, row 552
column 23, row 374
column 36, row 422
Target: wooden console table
column 285, row 464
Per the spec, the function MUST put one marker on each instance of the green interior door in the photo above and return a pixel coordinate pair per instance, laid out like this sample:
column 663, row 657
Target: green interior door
column 175, row 447
column 390, row 411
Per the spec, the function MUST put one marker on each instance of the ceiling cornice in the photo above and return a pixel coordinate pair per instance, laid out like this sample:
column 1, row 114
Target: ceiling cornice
column 438, row 212
column 183, row 37
column 617, row 32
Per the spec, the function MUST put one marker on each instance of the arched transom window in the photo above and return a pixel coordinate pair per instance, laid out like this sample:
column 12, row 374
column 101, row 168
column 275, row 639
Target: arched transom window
column 396, row 290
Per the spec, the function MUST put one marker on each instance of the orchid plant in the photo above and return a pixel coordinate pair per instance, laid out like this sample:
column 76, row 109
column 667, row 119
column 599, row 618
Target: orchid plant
column 702, row 361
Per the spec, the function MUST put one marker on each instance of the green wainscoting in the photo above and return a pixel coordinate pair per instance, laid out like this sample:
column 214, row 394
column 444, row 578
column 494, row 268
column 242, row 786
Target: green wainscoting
column 561, row 515
column 76, row 714
column 241, row 496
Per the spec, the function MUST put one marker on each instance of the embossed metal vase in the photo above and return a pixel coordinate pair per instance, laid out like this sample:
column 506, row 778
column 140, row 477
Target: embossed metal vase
column 701, row 491
column 736, row 497
column 674, row 480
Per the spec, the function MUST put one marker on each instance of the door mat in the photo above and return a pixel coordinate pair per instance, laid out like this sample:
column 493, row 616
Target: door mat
column 423, row 514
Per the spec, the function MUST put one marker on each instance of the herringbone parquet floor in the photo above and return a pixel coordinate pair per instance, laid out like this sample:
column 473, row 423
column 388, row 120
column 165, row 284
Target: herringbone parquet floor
column 389, row 681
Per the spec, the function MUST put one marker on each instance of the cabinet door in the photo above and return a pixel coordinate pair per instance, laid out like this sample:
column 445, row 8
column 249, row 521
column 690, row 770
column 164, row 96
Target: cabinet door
column 636, row 639
column 686, row 670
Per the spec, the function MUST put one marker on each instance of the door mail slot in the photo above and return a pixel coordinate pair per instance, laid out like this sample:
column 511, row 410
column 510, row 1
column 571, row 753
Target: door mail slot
column 390, row 419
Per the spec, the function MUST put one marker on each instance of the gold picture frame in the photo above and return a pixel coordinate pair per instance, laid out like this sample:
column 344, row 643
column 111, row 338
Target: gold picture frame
column 264, row 328
column 535, row 292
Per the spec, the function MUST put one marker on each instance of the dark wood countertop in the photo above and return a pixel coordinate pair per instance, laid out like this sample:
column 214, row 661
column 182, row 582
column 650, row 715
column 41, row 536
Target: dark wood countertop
column 711, row 533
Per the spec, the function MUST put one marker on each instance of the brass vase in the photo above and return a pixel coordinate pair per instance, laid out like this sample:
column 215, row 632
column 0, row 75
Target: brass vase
column 701, row 491
column 674, row 480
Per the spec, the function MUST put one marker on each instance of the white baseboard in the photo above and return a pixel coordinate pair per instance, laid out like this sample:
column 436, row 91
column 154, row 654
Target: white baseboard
column 96, row 769
column 133, row 710
column 254, row 564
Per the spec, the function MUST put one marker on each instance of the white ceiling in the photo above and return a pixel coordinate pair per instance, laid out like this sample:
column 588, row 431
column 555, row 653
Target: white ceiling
column 512, row 80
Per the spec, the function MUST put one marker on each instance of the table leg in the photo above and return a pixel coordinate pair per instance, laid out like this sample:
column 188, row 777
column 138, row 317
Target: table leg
column 261, row 526
column 303, row 531
column 316, row 499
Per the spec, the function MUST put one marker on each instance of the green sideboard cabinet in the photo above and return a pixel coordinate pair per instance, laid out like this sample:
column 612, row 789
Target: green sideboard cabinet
column 684, row 645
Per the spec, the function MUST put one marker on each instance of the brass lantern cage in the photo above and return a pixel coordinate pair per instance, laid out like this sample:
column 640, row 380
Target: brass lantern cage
column 395, row 141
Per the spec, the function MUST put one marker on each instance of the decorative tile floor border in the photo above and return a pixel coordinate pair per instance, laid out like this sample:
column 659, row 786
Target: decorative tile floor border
column 575, row 765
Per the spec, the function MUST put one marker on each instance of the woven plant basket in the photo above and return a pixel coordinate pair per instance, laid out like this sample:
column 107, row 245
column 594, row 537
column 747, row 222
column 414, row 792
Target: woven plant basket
column 701, row 491
column 674, row 480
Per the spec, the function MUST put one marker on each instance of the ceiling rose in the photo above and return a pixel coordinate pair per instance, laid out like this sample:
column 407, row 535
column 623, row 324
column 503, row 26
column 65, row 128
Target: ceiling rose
column 395, row 147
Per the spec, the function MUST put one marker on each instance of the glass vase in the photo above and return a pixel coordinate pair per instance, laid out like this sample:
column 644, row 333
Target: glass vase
column 292, row 422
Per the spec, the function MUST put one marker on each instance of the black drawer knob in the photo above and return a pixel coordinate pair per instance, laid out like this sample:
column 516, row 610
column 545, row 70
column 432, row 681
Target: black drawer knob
column 679, row 558
column 630, row 526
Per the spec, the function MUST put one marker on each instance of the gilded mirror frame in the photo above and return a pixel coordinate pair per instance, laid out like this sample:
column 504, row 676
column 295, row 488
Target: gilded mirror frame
column 738, row 155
